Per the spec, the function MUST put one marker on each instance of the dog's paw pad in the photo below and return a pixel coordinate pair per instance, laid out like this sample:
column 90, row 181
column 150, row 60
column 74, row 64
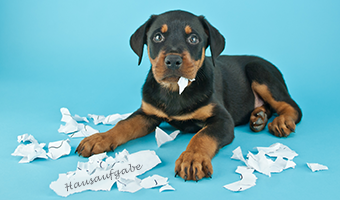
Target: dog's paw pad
column 258, row 120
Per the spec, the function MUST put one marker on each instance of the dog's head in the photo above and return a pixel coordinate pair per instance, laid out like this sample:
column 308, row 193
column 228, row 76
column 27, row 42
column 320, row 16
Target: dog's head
column 176, row 43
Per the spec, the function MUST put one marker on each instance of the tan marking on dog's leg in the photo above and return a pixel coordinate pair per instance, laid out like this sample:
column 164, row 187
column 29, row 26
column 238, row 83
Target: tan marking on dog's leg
column 284, row 124
column 124, row 131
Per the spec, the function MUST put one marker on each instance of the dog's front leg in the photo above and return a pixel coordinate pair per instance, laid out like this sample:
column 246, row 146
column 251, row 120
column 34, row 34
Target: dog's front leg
column 137, row 125
column 195, row 162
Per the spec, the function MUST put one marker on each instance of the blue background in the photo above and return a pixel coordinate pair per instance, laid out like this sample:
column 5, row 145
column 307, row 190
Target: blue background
column 76, row 54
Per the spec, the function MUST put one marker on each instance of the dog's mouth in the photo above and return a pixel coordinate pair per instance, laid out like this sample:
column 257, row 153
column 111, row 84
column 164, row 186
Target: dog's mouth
column 170, row 78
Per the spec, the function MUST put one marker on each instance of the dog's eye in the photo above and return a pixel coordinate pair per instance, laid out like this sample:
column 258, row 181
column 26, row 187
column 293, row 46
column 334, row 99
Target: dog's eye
column 193, row 39
column 158, row 38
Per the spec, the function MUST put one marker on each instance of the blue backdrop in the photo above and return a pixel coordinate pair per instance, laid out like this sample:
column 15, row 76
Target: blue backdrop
column 76, row 54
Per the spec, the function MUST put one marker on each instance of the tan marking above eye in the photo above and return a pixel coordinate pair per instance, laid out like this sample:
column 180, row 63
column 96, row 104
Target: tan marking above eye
column 281, row 107
column 164, row 28
column 187, row 29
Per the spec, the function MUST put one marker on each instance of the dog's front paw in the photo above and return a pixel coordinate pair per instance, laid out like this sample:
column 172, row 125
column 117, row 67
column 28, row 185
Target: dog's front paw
column 97, row 143
column 282, row 126
column 193, row 166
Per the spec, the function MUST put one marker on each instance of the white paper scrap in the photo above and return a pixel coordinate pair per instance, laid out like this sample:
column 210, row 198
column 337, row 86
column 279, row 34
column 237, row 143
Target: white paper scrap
column 29, row 151
column 183, row 83
column 97, row 119
column 72, row 125
column 25, row 137
column 280, row 164
column 264, row 165
column 80, row 119
column 66, row 116
column 154, row 181
column 97, row 174
column 127, row 185
column 58, row 149
column 316, row 167
column 166, row 187
column 248, row 180
column 162, row 137
column 278, row 149
column 110, row 119
column 85, row 131
column 260, row 163
column 238, row 155
column 113, row 119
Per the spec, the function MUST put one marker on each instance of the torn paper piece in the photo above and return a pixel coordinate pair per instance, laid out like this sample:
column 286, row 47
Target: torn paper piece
column 85, row 131
column 95, row 162
column 183, row 83
column 30, row 151
column 260, row 162
column 126, row 185
column 97, row 119
column 71, row 126
column 104, row 175
column 248, row 180
column 278, row 149
column 316, row 167
column 280, row 164
column 58, row 149
column 122, row 156
column 162, row 137
column 77, row 130
column 166, row 187
column 154, row 181
column 80, row 119
column 264, row 165
column 238, row 155
column 66, row 116
column 25, row 137
column 111, row 119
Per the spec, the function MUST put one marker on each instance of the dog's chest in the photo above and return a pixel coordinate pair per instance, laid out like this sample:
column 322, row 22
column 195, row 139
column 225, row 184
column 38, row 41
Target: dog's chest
column 200, row 114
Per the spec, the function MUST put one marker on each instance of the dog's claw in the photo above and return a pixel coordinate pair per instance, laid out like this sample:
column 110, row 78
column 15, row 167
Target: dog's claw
column 196, row 178
column 185, row 178
column 209, row 175
column 176, row 174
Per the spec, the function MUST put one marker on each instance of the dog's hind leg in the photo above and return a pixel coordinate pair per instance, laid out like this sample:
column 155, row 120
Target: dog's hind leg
column 267, row 82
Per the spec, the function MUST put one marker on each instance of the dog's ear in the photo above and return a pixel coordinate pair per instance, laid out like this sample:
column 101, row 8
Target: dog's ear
column 215, row 39
column 139, row 38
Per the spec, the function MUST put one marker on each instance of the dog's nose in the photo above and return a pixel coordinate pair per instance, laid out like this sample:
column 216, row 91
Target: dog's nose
column 173, row 61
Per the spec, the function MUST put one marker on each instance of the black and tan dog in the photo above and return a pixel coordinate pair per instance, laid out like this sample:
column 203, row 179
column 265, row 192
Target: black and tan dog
column 227, row 91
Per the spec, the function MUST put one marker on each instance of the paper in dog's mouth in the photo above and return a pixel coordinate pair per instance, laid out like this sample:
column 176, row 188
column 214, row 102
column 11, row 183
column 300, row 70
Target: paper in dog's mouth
column 183, row 83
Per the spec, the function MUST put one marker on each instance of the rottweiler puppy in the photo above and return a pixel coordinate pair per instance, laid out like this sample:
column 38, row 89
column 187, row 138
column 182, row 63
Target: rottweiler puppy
column 222, row 92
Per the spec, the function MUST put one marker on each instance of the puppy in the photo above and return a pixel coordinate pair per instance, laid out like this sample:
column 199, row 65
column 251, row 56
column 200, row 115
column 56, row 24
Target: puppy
column 222, row 92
